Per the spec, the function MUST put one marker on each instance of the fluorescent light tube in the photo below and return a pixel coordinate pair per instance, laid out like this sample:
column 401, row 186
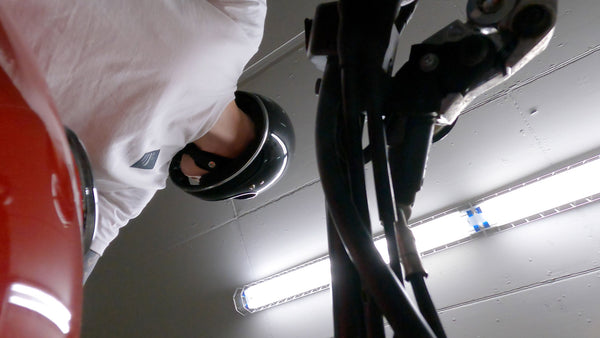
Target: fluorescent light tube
column 547, row 192
column 297, row 282
column 550, row 191
column 434, row 233
column 315, row 276
column 441, row 231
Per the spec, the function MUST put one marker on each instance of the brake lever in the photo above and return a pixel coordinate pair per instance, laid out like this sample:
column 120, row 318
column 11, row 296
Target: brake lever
column 451, row 68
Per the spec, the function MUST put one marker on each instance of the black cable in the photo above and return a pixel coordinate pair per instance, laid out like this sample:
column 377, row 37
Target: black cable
column 376, row 277
column 355, row 100
column 348, row 312
column 363, row 40
column 351, row 129
column 354, row 315
column 385, row 200
column 426, row 305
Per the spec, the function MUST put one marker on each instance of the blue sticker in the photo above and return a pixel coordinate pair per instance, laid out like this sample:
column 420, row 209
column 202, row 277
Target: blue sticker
column 147, row 161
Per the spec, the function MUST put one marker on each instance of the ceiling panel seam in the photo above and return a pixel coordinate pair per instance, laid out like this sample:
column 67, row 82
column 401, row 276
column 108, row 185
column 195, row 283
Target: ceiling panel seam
column 541, row 145
column 298, row 40
column 292, row 192
column 246, row 254
column 150, row 258
column 534, row 78
column 236, row 217
column 272, row 57
column 522, row 288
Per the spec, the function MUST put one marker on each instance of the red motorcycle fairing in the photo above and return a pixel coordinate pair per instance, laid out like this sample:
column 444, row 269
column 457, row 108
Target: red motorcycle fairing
column 41, row 217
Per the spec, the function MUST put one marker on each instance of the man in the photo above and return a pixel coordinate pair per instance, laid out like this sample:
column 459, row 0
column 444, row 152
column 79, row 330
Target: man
column 139, row 80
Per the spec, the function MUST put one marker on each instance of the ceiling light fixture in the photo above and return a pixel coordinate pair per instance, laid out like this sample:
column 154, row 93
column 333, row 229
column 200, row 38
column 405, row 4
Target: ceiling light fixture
column 552, row 193
column 297, row 282
column 546, row 193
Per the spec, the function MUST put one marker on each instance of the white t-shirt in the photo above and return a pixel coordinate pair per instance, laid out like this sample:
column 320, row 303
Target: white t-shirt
column 137, row 80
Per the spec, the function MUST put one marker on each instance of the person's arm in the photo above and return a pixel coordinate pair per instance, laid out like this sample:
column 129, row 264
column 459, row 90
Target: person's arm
column 90, row 259
column 115, row 210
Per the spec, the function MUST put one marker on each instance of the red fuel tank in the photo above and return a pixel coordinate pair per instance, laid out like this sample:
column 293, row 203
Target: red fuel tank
column 41, row 216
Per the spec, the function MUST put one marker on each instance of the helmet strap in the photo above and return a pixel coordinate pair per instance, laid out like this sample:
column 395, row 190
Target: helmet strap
column 205, row 160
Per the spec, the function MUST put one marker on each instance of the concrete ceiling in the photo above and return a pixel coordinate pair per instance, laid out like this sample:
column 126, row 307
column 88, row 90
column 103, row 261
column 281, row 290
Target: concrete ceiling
column 173, row 270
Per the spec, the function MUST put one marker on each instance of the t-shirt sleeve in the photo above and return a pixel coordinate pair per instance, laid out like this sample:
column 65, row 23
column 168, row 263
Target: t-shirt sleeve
column 248, row 14
column 115, row 210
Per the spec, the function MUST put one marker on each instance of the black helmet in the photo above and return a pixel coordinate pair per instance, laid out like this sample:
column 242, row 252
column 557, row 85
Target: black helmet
column 259, row 167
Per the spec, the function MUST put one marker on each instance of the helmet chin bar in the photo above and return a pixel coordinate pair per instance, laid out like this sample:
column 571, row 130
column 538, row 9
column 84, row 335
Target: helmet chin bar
column 256, row 169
